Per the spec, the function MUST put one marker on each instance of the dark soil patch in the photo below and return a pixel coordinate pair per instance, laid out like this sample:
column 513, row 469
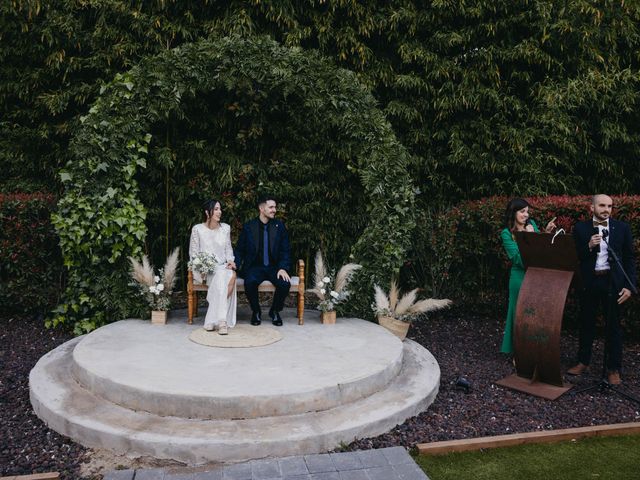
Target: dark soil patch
column 26, row 444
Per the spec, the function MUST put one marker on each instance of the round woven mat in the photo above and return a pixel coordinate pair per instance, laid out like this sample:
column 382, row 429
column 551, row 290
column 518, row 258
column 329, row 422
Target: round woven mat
column 240, row 336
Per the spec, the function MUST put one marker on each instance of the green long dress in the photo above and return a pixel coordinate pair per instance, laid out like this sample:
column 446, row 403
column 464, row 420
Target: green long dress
column 515, row 281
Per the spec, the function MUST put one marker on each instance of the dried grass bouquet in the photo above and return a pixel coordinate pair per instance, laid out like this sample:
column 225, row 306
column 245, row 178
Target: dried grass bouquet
column 404, row 308
column 331, row 288
column 156, row 289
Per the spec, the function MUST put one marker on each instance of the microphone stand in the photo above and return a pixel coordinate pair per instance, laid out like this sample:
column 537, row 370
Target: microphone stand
column 603, row 384
column 605, row 234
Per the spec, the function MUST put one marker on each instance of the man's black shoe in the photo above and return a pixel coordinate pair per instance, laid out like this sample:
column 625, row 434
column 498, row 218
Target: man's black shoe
column 256, row 318
column 276, row 319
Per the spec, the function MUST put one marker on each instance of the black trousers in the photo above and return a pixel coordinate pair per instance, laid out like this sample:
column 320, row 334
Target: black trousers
column 600, row 297
column 257, row 274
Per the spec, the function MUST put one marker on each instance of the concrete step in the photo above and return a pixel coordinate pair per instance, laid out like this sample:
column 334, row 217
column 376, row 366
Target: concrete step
column 73, row 411
column 157, row 369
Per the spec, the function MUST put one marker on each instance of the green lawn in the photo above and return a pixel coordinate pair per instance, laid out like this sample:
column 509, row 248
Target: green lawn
column 590, row 458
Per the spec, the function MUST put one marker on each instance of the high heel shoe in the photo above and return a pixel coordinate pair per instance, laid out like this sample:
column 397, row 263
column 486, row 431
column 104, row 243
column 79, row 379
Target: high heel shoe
column 223, row 329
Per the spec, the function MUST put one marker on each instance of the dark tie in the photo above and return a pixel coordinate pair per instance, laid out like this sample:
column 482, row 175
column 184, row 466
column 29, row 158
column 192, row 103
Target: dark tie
column 601, row 224
column 265, row 246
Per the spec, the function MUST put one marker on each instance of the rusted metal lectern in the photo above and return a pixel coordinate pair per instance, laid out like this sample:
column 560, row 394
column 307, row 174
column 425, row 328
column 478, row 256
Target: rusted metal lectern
column 550, row 264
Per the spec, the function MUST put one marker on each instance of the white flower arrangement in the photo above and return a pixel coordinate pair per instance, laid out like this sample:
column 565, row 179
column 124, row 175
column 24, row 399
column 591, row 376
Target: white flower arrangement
column 332, row 293
column 156, row 289
column 404, row 308
column 204, row 263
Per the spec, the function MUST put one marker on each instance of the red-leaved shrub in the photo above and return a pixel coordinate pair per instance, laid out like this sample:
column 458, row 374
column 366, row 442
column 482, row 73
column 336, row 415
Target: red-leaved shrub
column 458, row 253
column 30, row 259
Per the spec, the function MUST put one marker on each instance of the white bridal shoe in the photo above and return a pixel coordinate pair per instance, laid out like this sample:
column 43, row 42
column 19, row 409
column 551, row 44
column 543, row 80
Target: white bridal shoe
column 223, row 329
column 210, row 328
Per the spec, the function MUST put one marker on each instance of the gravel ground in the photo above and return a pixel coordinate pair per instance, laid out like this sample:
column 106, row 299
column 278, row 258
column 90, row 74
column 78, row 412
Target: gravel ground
column 464, row 344
column 26, row 444
column 467, row 345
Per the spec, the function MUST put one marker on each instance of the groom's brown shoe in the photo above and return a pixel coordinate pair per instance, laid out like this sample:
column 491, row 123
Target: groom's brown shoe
column 614, row 378
column 579, row 369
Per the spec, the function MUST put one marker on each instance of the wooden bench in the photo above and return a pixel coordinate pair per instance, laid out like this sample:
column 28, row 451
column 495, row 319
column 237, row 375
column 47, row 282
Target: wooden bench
column 297, row 287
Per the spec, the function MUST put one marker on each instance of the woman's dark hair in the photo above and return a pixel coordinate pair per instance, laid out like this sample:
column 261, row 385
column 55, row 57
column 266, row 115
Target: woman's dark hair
column 209, row 206
column 513, row 206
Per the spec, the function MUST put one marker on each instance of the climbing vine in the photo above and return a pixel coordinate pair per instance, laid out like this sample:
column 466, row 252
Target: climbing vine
column 258, row 116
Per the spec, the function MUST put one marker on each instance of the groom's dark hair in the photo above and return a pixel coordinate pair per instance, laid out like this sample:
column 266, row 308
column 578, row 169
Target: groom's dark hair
column 264, row 199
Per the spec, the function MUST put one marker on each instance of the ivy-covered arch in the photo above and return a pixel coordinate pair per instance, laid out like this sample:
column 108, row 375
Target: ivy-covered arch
column 101, row 218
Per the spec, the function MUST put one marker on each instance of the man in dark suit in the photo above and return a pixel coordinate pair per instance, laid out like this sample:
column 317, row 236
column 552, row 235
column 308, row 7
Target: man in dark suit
column 263, row 253
column 603, row 282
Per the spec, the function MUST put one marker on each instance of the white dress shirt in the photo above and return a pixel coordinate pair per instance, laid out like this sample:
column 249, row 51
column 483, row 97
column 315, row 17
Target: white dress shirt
column 602, row 260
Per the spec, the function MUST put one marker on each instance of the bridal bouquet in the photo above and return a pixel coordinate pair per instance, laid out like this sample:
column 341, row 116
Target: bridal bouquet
column 156, row 289
column 204, row 263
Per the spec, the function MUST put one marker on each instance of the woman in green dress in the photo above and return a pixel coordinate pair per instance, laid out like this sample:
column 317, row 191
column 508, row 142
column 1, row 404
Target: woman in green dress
column 516, row 220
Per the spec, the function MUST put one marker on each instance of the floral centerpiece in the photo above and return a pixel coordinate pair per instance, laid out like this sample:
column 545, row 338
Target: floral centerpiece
column 396, row 313
column 204, row 263
column 330, row 288
column 156, row 289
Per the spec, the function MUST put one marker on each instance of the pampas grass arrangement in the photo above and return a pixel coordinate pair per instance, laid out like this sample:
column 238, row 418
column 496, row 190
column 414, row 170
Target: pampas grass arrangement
column 156, row 289
column 404, row 308
column 331, row 291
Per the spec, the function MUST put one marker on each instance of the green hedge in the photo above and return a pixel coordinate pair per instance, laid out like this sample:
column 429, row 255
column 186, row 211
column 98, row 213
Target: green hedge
column 457, row 252
column 30, row 260
column 467, row 86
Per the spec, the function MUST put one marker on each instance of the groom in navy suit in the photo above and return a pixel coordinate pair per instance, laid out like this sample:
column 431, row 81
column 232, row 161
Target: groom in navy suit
column 604, row 284
column 263, row 253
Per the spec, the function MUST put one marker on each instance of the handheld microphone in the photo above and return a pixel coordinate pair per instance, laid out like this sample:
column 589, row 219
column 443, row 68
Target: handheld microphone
column 596, row 231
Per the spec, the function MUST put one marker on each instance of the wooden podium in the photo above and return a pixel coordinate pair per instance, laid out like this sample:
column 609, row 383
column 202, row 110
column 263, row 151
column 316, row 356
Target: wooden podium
column 536, row 336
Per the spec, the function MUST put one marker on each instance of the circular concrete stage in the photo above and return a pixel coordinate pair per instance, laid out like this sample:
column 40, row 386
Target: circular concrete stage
column 144, row 389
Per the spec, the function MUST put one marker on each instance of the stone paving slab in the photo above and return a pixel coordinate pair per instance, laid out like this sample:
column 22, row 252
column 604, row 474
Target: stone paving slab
column 392, row 463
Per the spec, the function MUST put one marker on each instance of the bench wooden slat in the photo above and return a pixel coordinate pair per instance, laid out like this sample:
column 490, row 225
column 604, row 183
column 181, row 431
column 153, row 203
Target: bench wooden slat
column 265, row 286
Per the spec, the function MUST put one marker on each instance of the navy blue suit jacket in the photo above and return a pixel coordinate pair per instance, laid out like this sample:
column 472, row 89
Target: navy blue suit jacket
column 619, row 239
column 246, row 252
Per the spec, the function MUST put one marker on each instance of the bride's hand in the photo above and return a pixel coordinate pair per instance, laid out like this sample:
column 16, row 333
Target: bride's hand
column 231, row 265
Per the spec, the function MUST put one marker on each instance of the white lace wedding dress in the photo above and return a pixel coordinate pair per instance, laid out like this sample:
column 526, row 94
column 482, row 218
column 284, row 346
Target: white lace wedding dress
column 218, row 241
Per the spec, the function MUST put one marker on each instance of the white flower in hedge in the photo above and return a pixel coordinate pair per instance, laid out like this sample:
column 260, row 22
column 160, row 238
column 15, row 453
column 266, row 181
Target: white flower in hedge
column 334, row 294
column 156, row 279
column 323, row 291
column 160, row 287
column 326, row 279
column 153, row 289
column 320, row 284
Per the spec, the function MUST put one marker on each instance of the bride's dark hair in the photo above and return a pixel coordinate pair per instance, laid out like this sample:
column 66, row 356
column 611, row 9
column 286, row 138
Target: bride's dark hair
column 209, row 206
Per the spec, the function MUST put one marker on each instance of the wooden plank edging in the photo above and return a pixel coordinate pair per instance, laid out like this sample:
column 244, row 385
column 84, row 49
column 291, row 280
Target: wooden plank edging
column 34, row 476
column 439, row 448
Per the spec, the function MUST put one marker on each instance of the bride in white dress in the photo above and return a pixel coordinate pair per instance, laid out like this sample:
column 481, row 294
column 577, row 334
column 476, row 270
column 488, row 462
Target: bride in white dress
column 212, row 236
